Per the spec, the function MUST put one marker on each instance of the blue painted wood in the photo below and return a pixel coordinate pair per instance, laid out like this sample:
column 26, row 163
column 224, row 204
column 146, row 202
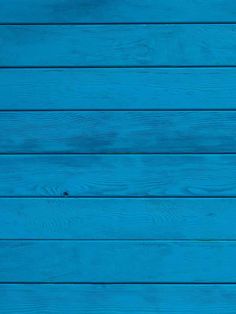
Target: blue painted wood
column 117, row 299
column 84, row 11
column 150, row 88
column 118, row 45
column 98, row 218
column 179, row 223
column 117, row 261
column 118, row 132
column 118, row 175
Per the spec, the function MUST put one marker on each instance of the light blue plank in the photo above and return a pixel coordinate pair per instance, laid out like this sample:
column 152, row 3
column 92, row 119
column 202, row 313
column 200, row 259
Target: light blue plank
column 117, row 261
column 88, row 11
column 118, row 45
column 117, row 299
column 118, row 175
column 115, row 218
column 118, row 132
column 150, row 88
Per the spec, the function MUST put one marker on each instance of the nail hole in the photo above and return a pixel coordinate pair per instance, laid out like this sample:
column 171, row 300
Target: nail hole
column 66, row 194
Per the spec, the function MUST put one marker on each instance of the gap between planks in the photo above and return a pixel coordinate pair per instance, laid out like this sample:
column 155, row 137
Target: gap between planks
column 118, row 110
column 117, row 23
column 15, row 67
column 119, row 283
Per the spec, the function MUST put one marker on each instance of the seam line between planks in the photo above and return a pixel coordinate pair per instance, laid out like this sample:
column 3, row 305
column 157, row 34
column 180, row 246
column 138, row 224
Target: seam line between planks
column 116, row 283
column 112, row 154
column 118, row 197
column 104, row 67
column 119, row 110
column 115, row 66
column 208, row 240
column 116, row 23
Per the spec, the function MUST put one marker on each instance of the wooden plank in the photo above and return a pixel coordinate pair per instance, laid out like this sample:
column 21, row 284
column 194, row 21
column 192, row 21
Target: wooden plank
column 117, row 261
column 118, row 45
column 117, row 299
column 167, row 218
column 118, row 132
column 83, row 11
column 118, row 175
column 150, row 88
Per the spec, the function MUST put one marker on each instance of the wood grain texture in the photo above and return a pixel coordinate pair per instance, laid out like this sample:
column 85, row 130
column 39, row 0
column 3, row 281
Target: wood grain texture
column 118, row 175
column 118, row 132
column 116, row 218
column 116, row 11
column 72, row 210
column 117, row 299
column 118, row 45
column 150, row 88
column 117, row 261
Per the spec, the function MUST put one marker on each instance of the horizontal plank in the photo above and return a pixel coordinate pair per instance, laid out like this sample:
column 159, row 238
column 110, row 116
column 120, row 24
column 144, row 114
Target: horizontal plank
column 117, row 261
column 118, row 132
column 81, row 11
column 118, row 45
column 115, row 218
column 117, row 299
column 118, row 175
column 150, row 88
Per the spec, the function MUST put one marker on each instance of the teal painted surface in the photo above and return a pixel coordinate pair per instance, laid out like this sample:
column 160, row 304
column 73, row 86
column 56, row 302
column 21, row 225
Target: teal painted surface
column 184, row 175
column 118, row 132
column 117, row 261
column 116, row 11
column 60, row 299
column 118, row 45
column 118, row 218
column 117, row 156
column 118, row 89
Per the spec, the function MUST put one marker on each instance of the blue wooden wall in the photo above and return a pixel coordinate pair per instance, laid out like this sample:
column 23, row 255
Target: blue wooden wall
column 117, row 156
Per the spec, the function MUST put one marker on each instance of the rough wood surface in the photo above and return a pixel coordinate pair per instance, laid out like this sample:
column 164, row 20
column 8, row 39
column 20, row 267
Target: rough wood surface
column 118, row 175
column 118, row 45
column 126, row 88
column 118, row 132
column 116, row 11
column 118, row 299
column 117, row 261
column 115, row 218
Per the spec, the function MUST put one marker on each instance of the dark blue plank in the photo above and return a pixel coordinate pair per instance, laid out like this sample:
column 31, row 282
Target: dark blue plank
column 117, row 299
column 118, row 132
column 118, row 45
column 84, row 11
column 115, row 218
column 118, row 175
column 149, row 88
column 117, row 261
